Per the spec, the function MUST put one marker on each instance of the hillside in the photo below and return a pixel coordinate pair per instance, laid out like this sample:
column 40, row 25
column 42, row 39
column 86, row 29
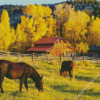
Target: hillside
column 15, row 13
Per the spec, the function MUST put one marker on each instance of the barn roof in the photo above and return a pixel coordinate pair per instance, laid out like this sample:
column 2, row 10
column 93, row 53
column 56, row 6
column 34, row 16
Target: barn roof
column 48, row 40
column 44, row 44
column 40, row 48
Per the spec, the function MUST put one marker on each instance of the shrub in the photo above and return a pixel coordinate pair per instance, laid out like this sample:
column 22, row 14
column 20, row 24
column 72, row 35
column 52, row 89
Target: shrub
column 80, row 63
column 53, row 62
column 86, row 63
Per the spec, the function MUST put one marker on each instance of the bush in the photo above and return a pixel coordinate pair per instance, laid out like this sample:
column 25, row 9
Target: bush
column 53, row 62
column 80, row 63
column 86, row 63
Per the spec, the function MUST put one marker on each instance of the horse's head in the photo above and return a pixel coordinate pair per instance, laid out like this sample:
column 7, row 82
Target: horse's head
column 39, row 84
column 61, row 73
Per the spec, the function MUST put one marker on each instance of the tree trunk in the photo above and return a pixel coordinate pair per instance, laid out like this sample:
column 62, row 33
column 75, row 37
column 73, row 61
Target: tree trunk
column 83, row 56
column 61, row 30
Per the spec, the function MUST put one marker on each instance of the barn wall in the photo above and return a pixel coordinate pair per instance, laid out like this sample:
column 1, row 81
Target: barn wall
column 59, row 48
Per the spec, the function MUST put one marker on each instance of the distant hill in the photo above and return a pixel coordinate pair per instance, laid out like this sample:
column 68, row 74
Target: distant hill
column 15, row 13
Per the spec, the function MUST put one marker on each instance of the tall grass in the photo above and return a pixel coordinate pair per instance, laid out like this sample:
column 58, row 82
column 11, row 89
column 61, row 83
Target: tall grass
column 55, row 86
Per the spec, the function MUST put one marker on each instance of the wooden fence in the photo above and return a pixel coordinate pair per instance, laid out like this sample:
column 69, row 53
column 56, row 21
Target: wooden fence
column 31, row 57
column 43, row 57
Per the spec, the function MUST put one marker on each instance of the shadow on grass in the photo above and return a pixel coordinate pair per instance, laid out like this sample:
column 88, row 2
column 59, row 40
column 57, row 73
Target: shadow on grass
column 97, row 80
column 14, row 93
column 97, row 65
column 91, row 93
column 30, row 81
column 63, row 88
column 52, row 70
column 88, row 79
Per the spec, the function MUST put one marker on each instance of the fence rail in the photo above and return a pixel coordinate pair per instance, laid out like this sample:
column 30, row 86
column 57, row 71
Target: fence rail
column 44, row 57
column 33, row 57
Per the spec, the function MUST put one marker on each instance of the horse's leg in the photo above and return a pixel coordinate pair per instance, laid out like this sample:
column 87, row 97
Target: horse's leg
column 21, row 82
column 65, row 75
column 1, row 80
column 25, row 82
column 62, row 73
column 73, row 76
column 70, row 75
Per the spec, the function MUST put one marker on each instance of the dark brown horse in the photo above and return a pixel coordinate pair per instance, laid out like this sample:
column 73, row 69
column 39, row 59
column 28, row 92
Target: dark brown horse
column 20, row 71
column 67, row 66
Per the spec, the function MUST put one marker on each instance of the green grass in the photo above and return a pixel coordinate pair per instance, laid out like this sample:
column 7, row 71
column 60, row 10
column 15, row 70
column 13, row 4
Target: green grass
column 55, row 86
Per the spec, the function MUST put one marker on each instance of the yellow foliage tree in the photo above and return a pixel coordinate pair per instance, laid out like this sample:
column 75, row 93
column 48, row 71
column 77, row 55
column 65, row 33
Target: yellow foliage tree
column 39, row 22
column 21, row 41
column 51, row 27
column 82, row 48
column 76, row 27
column 33, row 29
column 94, row 30
column 61, row 14
column 6, row 32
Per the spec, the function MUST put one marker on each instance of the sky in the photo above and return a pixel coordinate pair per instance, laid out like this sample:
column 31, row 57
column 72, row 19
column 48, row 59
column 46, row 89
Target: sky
column 25, row 2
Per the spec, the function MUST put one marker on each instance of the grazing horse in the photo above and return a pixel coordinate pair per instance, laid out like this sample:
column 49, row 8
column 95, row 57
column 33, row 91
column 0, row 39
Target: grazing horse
column 67, row 66
column 22, row 71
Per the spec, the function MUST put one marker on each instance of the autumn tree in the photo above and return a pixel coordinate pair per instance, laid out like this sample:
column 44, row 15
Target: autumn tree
column 21, row 39
column 61, row 14
column 39, row 22
column 51, row 27
column 7, row 36
column 76, row 27
column 59, row 48
column 94, row 32
column 82, row 48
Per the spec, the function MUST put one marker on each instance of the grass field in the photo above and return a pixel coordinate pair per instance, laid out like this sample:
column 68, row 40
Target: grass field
column 55, row 86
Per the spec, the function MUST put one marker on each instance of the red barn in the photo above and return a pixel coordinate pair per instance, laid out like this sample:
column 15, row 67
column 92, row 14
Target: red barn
column 52, row 46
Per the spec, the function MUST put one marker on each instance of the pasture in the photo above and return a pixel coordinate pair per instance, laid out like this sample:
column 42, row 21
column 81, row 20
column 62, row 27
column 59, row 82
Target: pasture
column 55, row 86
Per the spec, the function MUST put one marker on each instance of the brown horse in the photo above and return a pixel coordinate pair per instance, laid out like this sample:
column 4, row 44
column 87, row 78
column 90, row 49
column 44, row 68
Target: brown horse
column 20, row 71
column 67, row 66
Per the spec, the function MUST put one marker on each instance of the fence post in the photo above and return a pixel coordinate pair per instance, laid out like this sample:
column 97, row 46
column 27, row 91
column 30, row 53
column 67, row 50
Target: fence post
column 18, row 56
column 44, row 57
column 60, row 58
column 97, row 58
column 32, row 57
column 47, row 55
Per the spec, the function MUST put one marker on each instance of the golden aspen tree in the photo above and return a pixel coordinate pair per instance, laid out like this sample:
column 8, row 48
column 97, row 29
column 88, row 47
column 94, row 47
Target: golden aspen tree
column 82, row 48
column 94, row 30
column 61, row 14
column 5, row 20
column 20, row 39
column 51, row 27
column 6, row 32
column 76, row 27
column 36, row 25
column 30, row 10
column 1, row 37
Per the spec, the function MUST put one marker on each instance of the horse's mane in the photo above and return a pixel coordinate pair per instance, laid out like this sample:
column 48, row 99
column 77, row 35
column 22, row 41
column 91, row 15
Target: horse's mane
column 31, row 68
